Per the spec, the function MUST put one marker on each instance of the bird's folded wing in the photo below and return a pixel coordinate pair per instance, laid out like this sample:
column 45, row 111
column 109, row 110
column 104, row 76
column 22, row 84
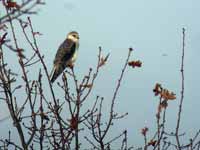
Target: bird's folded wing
column 65, row 51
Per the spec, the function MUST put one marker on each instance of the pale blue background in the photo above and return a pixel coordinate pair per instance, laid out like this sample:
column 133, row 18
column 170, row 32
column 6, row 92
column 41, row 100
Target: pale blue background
column 152, row 28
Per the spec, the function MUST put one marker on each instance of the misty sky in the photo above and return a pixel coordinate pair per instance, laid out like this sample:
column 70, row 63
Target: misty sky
column 154, row 29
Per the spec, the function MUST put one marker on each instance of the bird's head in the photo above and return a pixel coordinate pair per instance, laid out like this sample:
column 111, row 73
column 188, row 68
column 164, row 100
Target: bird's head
column 74, row 36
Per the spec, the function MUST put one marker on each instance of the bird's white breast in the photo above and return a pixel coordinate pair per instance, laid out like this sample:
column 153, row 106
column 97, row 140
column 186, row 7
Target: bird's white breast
column 74, row 57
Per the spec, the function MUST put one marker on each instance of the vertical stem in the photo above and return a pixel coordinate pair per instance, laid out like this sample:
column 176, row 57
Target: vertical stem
column 158, row 125
column 182, row 90
column 77, row 123
column 145, row 142
column 77, row 110
column 102, row 144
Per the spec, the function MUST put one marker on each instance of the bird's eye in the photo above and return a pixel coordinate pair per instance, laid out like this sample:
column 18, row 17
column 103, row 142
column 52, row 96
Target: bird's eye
column 74, row 35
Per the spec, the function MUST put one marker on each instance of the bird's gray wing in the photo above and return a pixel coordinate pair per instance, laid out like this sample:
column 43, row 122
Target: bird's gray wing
column 65, row 52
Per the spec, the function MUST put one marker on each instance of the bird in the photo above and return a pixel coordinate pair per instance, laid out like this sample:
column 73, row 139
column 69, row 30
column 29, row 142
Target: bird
column 66, row 55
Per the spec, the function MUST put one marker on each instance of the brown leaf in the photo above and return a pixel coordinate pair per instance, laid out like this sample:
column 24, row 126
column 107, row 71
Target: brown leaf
column 134, row 64
column 11, row 4
column 152, row 143
column 144, row 131
column 103, row 60
column 165, row 94
column 20, row 53
column 86, row 85
column 157, row 90
column 74, row 123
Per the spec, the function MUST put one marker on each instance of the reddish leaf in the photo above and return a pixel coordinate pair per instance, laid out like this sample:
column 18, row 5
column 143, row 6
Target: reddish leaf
column 152, row 143
column 74, row 123
column 157, row 90
column 11, row 4
column 134, row 64
column 165, row 94
column 144, row 131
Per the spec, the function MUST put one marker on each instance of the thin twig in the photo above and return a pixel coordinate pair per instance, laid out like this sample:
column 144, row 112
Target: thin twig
column 182, row 90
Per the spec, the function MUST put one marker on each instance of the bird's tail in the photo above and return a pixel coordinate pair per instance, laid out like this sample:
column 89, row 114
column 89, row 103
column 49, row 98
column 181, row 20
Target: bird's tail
column 56, row 71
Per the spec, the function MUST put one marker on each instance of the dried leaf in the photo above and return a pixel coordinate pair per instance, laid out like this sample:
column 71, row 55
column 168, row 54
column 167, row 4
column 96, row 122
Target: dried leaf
column 157, row 90
column 103, row 60
column 86, row 85
column 20, row 53
column 134, row 64
column 165, row 94
column 74, row 123
column 152, row 143
column 144, row 131
column 11, row 4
